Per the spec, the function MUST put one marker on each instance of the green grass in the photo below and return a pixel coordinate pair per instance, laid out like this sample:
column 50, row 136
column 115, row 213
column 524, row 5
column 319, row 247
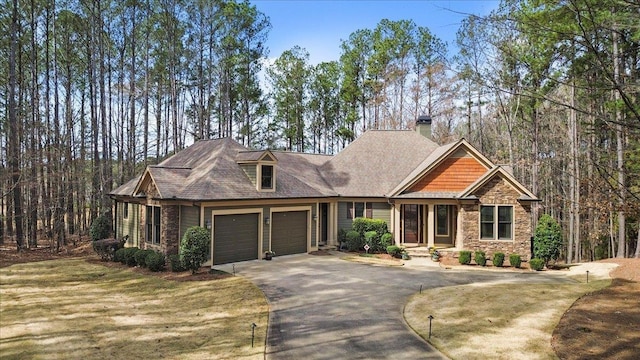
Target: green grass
column 71, row 309
column 505, row 321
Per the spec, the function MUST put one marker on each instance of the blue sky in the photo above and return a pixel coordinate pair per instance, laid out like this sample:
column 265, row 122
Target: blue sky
column 320, row 25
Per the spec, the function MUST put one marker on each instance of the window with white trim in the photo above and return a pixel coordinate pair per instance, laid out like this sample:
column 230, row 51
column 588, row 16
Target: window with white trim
column 266, row 178
column 359, row 209
column 496, row 222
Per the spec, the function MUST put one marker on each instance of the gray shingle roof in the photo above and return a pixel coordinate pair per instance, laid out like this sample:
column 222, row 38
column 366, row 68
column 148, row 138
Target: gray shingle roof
column 376, row 162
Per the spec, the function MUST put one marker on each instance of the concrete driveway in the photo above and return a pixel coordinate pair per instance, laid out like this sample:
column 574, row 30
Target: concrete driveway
column 323, row 307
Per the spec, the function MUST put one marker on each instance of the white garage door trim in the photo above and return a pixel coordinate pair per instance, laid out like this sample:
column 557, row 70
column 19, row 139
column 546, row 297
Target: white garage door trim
column 258, row 211
column 308, row 209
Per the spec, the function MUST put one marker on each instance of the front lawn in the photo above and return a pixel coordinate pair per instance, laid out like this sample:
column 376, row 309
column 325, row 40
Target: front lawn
column 500, row 321
column 72, row 309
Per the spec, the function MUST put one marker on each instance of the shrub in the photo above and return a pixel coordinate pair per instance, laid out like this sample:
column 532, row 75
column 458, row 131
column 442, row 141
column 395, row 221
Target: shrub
column 107, row 248
column 141, row 257
column 373, row 239
column 386, row 240
column 498, row 259
column 155, row 261
column 100, row 228
column 515, row 260
column 480, row 258
column 465, row 257
column 536, row 264
column 176, row 264
column 119, row 255
column 547, row 240
column 130, row 256
column 354, row 241
column 395, row 251
column 363, row 225
column 194, row 248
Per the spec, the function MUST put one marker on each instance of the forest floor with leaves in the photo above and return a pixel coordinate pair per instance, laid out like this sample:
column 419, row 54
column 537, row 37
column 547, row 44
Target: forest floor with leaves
column 604, row 324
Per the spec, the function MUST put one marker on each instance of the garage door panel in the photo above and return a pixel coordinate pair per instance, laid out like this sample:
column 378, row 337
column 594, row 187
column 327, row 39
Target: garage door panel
column 289, row 232
column 235, row 238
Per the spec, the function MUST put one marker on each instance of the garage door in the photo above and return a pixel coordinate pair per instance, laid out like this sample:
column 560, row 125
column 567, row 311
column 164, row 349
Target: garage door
column 289, row 232
column 235, row 238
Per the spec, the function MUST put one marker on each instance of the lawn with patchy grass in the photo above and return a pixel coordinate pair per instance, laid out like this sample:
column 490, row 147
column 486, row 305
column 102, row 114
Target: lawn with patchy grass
column 72, row 309
column 500, row 321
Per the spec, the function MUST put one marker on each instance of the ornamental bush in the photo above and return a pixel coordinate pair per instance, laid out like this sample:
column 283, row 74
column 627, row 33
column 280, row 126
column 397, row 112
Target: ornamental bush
column 354, row 241
column 515, row 260
column 100, row 228
column 465, row 257
column 130, row 256
column 386, row 240
column 373, row 239
column 176, row 264
column 536, row 264
column 141, row 257
column 395, row 251
column 498, row 259
column 547, row 240
column 480, row 258
column 363, row 225
column 155, row 261
column 119, row 255
column 107, row 248
column 194, row 248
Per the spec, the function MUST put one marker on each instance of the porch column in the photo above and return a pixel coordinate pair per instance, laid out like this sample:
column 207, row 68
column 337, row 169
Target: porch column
column 431, row 225
column 332, row 226
column 460, row 231
column 396, row 224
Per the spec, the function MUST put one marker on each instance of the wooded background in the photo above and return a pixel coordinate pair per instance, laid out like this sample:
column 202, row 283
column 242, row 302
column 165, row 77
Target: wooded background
column 92, row 91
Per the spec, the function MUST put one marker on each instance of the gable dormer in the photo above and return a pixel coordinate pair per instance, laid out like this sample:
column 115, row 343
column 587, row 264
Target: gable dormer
column 260, row 168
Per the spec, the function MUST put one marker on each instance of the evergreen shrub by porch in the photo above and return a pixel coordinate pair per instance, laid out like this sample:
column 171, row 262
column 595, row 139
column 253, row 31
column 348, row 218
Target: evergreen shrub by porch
column 176, row 264
column 155, row 261
column 480, row 258
column 515, row 260
column 395, row 251
column 130, row 256
column 100, row 228
column 536, row 264
column 194, row 247
column 386, row 240
column 465, row 257
column 373, row 239
column 354, row 241
column 498, row 259
column 362, row 225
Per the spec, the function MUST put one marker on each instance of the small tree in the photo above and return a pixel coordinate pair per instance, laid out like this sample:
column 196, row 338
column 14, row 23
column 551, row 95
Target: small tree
column 547, row 240
column 100, row 228
column 194, row 248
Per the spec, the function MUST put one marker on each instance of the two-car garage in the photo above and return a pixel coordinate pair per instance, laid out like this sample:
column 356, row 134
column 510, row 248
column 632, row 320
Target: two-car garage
column 236, row 235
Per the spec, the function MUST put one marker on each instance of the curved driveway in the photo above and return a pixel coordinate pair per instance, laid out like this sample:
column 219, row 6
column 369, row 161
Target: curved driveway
column 323, row 307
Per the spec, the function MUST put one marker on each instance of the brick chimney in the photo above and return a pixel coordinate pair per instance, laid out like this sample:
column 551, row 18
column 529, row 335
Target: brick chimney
column 423, row 126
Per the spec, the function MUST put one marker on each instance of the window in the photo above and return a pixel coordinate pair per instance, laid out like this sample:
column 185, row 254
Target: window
column 442, row 220
column 125, row 210
column 496, row 222
column 359, row 209
column 153, row 224
column 266, row 181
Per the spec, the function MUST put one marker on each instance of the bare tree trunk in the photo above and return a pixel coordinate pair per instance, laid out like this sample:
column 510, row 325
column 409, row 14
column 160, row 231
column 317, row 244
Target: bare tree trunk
column 619, row 151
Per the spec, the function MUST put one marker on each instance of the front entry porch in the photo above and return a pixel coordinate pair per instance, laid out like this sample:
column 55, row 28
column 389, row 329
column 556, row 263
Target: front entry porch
column 430, row 225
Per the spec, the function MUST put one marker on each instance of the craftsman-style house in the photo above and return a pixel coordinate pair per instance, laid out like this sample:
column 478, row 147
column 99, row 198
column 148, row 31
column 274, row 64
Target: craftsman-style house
column 448, row 196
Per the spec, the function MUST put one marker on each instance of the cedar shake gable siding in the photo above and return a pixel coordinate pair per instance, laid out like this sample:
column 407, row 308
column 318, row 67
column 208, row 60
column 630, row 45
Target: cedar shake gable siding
column 452, row 175
column 498, row 191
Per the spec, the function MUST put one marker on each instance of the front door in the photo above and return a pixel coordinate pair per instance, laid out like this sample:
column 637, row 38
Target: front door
column 410, row 224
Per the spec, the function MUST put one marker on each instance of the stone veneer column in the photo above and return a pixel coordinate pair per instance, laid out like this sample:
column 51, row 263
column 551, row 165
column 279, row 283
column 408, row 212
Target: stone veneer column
column 170, row 229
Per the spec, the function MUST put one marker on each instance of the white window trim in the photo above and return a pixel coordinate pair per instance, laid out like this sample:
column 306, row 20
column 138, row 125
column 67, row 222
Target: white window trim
column 495, row 222
column 364, row 209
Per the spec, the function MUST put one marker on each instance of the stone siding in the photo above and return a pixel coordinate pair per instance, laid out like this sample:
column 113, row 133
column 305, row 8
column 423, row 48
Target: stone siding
column 170, row 229
column 498, row 192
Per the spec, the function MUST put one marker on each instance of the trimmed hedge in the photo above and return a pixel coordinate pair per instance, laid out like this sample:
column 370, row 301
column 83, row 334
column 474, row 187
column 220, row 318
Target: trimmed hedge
column 119, row 255
column 194, row 247
column 515, row 260
column 536, row 264
column 141, row 257
column 480, row 258
column 362, row 225
column 395, row 251
column 354, row 241
column 155, row 261
column 386, row 240
column 175, row 264
column 465, row 257
column 498, row 259
column 130, row 256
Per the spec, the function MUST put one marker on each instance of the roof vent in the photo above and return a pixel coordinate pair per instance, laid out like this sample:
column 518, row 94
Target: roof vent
column 423, row 126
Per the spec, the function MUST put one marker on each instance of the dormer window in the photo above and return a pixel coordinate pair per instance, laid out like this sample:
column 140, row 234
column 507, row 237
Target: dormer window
column 266, row 182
